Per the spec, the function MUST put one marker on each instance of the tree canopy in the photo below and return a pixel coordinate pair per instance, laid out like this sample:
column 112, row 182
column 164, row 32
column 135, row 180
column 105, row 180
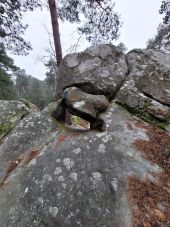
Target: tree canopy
column 11, row 24
column 161, row 41
column 97, row 19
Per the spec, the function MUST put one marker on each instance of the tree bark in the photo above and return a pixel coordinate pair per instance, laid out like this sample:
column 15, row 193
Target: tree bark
column 56, row 33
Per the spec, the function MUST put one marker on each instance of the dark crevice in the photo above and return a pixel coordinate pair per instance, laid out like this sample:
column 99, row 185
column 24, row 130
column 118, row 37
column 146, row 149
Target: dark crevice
column 129, row 68
column 151, row 97
column 145, row 116
column 128, row 65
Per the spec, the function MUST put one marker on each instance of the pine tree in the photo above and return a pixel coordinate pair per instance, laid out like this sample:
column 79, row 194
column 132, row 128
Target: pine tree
column 7, row 68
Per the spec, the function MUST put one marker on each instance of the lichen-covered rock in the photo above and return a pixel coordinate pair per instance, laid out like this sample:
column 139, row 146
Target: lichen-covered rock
column 30, row 105
column 83, row 104
column 51, row 108
column 10, row 114
column 30, row 134
column 147, row 87
column 77, row 179
column 54, row 175
column 97, row 70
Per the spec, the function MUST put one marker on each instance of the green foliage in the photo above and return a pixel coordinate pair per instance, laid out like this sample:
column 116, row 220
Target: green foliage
column 161, row 41
column 7, row 68
column 165, row 10
column 99, row 22
column 11, row 27
column 7, row 91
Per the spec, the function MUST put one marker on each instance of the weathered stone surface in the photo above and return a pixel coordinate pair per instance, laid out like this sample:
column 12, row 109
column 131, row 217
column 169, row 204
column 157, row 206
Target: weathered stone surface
column 52, row 175
column 146, row 89
column 77, row 179
column 83, row 104
column 30, row 105
column 30, row 134
column 10, row 114
column 51, row 108
column 98, row 70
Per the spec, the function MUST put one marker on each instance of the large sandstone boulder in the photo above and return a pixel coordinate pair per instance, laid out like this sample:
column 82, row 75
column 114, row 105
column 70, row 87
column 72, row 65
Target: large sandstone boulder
column 97, row 70
column 86, row 105
column 11, row 112
column 52, row 175
column 147, row 88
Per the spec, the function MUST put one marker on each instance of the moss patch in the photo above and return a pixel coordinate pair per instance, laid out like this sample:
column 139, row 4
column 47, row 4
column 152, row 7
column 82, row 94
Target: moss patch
column 148, row 117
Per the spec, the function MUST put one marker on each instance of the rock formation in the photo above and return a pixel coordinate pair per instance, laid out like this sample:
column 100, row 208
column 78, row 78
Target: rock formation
column 117, row 173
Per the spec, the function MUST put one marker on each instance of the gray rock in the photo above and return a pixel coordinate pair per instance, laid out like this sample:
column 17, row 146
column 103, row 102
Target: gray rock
column 77, row 179
column 30, row 105
column 51, row 108
column 30, row 134
column 10, row 114
column 98, row 70
column 146, row 89
column 52, row 175
column 84, row 105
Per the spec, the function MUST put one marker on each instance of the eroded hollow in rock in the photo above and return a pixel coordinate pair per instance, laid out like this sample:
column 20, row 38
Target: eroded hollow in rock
column 77, row 118
column 79, row 123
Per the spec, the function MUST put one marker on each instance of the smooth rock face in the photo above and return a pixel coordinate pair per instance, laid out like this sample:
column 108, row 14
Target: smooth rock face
column 86, row 105
column 98, row 70
column 147, row 87
column 10, row 114
column 52, row 175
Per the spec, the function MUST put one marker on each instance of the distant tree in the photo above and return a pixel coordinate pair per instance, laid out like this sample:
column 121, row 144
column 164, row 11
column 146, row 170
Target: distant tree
column 22, row 83
column 51, row 73
column 162, row 39
column 165, row 10
column 11, row 27
column 7, row 69
column 122, row 47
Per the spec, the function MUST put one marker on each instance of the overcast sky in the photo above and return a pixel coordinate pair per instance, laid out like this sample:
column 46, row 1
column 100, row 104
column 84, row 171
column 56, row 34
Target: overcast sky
column 140, row 20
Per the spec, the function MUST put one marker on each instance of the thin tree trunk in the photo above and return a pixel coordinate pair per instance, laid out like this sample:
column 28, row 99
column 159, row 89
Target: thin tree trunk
column 55, row 27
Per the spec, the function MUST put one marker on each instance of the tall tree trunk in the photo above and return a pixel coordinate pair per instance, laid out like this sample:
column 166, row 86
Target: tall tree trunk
column 55, row 27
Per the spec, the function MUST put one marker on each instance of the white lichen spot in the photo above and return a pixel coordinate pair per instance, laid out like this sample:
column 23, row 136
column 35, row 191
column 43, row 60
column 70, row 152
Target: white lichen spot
column 73, row 176
column 68, row 163
column 40, row 200
column 107, row 138
column 33, row 162
column 63, row 185
column 80, row 193
column 101, row 134
column 78, row 104
column 101, row 148
column 97, row 176
column 77, row 150
column 47, row 178
column 114, row 184
column 26, row 190
column 58, row 160
column 59, row 195
column 57, row 171
column 61, row 178
column 53, row 211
